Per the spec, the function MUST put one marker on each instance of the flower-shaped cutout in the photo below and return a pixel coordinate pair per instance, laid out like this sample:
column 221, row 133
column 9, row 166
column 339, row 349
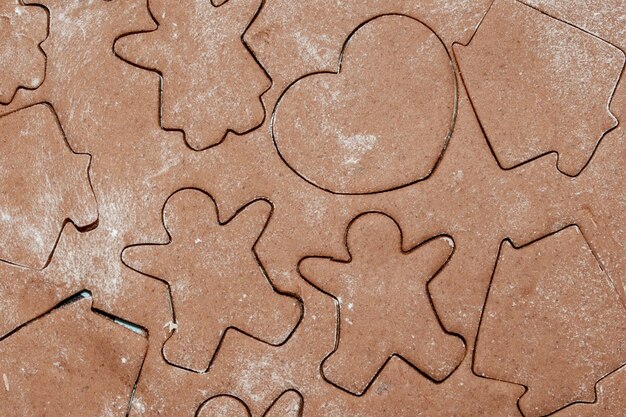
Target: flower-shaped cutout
column 539, row 85
column 42, row 185
column 22, row 30
column 223, row 406
column 211, row 82
column 384, row 306
column 569, row 323
column 289, row 404
column 382, row 121
column 215, row 278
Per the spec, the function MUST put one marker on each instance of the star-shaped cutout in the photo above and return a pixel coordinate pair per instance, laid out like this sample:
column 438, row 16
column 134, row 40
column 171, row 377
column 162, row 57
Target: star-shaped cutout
column 215, row 278
column 384, row 306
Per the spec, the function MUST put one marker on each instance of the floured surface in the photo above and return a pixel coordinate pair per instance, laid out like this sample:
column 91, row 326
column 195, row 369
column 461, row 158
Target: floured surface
column 43, row 185
column 390, row 104
column 22, row 29
column 214, row 277
column 383, row 306
column 570, row 324
column 211, row 82
column 245, row 256
column 548, row 86
column 71, row 362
